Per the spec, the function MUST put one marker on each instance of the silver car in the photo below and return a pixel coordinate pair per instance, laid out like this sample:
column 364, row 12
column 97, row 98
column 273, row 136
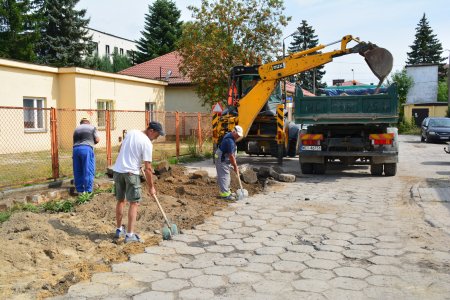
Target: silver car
column 435, row 129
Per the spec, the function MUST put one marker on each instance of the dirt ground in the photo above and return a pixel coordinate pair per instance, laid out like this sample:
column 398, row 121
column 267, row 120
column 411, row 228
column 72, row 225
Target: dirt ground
column 43, row 254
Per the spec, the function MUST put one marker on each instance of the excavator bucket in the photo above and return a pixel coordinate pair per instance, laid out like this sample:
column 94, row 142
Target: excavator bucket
column 380, row 61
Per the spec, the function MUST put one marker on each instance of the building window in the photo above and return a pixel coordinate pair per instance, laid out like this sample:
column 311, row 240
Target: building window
column 151, row 106
column 121, row 51
column 33, row 114
column 103, row 106
column 95, row 48
column 116, row 50
column 107, row 50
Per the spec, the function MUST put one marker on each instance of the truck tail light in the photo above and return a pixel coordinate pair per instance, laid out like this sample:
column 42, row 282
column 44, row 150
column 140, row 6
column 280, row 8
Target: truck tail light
column 311, row 139
column 381, row 138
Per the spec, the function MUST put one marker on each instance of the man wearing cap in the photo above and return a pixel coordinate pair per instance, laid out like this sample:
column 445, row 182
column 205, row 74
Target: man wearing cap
column 225, row 159
column 136, row 148
column 85, row 137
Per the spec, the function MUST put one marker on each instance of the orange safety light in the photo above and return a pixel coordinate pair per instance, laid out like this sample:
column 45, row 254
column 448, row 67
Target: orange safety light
column 381, row 138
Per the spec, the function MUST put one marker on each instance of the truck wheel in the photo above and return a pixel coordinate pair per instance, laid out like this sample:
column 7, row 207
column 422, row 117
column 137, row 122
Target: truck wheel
column 390, row 169
column 319, row 169
column 422, row 138
column 376, row 170
column 307, row 168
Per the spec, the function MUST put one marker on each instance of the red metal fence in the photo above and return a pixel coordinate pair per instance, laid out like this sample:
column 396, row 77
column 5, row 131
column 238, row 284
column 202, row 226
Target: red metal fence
column 36, row 143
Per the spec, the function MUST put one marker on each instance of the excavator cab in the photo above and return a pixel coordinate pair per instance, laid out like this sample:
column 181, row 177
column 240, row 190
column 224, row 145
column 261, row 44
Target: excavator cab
column 241, row 81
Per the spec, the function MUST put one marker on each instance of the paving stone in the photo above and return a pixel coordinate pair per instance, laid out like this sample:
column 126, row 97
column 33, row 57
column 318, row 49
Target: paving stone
column 327, row 255
column 339, row 236
column 172, row 244
column 389, row 245
column 358, row 254
column 384, row 280
column 199, row 264
column 229, row 242
column 317, row 230
column 230, row 225
column 154, row 295
column 290, row 232
column 220, row 249
column 301, row 218
column 160, row 250
column 270, row 250
column 225, row 213
column 208, row 281
column 280, row 220
column 272, row 287
column 340, row 243
column 343, row 228
column 222, row 232
column 288, row 266
column 189, row 250
column 321, row 264
column 322, row 223
column 220, row 270
column 375, row 292
column 246, row 212
column 265, row 259
column 237, row 218
column 281, row 244
column 231, row 261
column 271, row 227
column 184, row 273
column 257, row 268
column 303, row 295
column 248, row 246
column 347, row 283
column 330, row 248
column 280, row 276
column 238, row 236
column 348, row 221
column 295, row 256
column 297, row 225
column 244, row 277
column 363, row 241
column 88, row 290
column 343, row 294
column 366, row 233
column 385, row 270
column 254, row 223
column 212, row 237
column 245, row 230
column 360, row 247
column 187, row 238
column 263, row 216
column 264, row 233
column 301, row 248
column 310, row 285
column 388, row 252
column 326, row 216
column 255, row 239
column 318, row 274
column 285, row 238
column 196, row 293
column 169, row 285
column 387, row 238
column 352, row 272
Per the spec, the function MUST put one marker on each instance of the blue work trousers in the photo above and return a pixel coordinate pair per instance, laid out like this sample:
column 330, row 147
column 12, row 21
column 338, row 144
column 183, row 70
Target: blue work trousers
column 83, row 168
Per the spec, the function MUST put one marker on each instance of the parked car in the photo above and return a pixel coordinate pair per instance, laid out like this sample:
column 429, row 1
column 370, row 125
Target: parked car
column 435, row 129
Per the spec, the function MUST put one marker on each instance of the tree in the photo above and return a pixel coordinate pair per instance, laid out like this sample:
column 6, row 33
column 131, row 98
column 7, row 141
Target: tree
column 120, row 62
column 404, row 82
column 442, row 95
column 65, row 41
column 19, row 29
column 426, row 49
column 161, row 31
column 225, row 34
column 305, row 39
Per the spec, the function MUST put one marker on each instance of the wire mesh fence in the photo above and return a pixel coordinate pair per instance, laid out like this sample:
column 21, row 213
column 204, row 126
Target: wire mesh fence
column 36, row 143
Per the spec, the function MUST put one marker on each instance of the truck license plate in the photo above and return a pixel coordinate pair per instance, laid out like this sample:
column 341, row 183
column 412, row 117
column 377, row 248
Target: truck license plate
column 314, row 148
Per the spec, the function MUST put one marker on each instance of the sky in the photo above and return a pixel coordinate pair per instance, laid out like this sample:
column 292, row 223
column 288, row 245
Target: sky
column 389, row 24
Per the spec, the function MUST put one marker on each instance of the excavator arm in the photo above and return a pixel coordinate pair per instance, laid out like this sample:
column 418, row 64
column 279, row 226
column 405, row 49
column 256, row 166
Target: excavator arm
column 379, row 60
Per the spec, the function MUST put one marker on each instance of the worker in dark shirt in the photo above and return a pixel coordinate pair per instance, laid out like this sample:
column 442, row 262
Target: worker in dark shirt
column 85, row 137
column 225, row 159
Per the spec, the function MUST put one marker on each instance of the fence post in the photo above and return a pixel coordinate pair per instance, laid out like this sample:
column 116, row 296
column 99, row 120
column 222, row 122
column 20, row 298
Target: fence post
column 108, row 138
column 177, row 132
column 199, row 128
column 54, row 144
column 147, row 118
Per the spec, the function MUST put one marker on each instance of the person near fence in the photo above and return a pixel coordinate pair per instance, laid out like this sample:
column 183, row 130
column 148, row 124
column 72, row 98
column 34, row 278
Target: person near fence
column 136, row 148
column 85, row 137
column 225, row 159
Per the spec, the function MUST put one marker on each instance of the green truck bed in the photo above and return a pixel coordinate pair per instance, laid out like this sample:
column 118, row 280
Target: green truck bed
column 357, row 109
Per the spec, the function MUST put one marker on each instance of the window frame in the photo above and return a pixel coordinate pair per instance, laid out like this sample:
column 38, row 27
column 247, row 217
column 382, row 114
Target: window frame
column 101, row 120
column 151, row 107
column 38, row 114
column 107, row 50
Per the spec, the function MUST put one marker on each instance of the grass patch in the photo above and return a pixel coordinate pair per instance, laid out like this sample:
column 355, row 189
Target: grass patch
column 5, row 215
column 409, row 128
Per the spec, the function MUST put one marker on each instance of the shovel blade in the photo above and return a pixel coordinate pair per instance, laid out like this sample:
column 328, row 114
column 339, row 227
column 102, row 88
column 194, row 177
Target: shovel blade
column 380, row 61
column 241, row 193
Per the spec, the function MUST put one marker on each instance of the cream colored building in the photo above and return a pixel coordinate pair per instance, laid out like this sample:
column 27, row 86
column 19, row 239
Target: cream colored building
column 40, row 87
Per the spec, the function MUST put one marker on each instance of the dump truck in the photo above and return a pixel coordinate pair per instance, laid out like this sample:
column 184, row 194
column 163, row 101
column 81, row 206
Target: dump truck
column 258, row 110
column 348, row 130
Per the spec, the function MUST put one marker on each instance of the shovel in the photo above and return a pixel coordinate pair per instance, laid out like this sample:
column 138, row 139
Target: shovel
column 241, row 193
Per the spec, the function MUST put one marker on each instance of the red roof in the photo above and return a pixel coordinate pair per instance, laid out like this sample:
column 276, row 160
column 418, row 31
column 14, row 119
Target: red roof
column 290, row 88
column 157, row 68
column 351, row 82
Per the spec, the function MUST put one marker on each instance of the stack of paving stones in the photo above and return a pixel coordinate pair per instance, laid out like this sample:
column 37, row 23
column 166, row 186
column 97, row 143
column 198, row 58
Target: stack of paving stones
column 343, row 243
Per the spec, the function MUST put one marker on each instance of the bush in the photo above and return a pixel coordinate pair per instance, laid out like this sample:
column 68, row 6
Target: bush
column 405, row 127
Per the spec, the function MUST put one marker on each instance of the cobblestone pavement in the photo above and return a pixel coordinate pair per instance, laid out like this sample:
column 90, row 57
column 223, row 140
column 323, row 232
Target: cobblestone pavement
column 344, row 235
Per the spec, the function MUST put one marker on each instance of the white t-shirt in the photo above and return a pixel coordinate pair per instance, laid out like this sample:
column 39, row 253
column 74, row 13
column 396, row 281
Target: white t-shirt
column 136, row 148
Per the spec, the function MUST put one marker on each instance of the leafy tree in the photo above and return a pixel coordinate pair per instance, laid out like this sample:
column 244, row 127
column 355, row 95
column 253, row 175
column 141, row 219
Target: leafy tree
column 120, row 62
column 226, row 33
column 19, row 29
column 404, row 83
column 442, row 95
column 105, row 64
column 65, row 39
column 161, row 31
column 426, row 49
column 305, row 39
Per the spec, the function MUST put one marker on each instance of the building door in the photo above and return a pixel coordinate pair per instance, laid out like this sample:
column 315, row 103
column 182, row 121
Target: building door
column 419, row 114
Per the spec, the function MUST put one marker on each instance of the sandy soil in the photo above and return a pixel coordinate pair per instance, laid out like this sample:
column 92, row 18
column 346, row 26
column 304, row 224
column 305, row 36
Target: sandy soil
column 42, row 255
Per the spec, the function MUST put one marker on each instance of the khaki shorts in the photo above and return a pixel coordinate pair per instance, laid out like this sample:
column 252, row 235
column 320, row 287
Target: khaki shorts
column 127, row 185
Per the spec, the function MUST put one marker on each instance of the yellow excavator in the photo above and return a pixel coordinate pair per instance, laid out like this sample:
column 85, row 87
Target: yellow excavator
column 255, row 104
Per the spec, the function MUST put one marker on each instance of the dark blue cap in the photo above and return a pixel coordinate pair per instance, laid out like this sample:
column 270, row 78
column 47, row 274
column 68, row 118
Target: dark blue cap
column 156, row 126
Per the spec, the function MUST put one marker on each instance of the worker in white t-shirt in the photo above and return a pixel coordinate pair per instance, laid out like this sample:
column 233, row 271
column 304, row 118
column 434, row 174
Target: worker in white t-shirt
column 136, row 148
